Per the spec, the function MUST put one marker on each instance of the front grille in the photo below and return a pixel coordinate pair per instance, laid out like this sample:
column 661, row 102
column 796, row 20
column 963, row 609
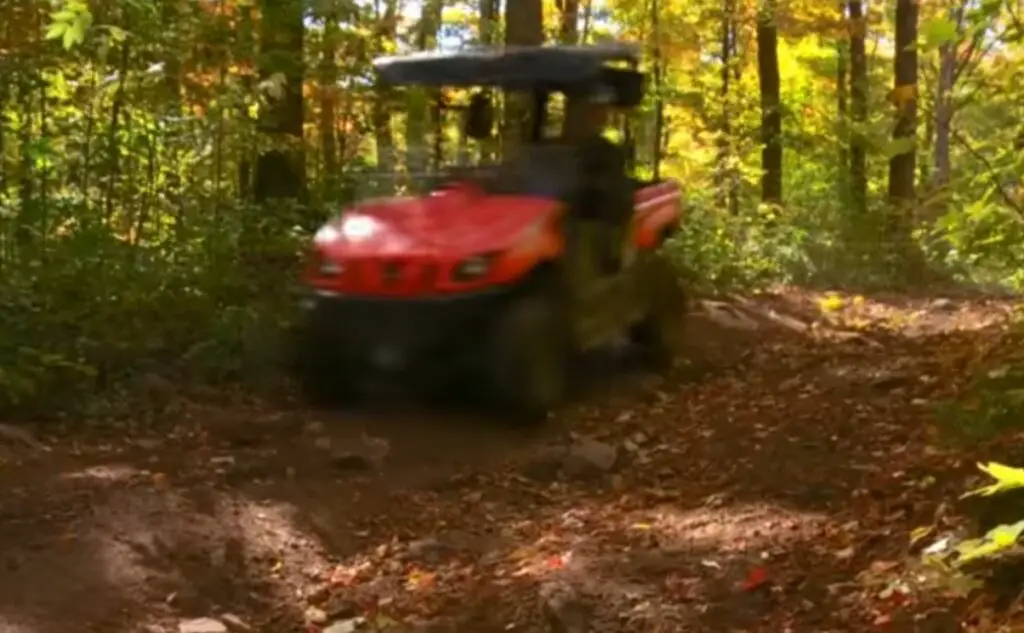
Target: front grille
column 429, row 275
column 415, row 326
column 392, row 272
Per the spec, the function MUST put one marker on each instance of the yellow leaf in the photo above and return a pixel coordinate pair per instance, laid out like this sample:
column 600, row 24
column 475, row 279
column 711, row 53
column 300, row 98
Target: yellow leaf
column 418, row 579
column 995, row 540
column 383, row 622
column 974, row 549
column 831, row 303
column 920, row 533
column 1004, row 538
column 1007, row 478
column 900, row 96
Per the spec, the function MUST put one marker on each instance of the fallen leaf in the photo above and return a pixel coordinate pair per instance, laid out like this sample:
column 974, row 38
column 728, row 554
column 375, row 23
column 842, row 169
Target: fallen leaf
column 756, row 577
column 882, row 566
column 920, row 533
column 845, row 553
column 417, row 579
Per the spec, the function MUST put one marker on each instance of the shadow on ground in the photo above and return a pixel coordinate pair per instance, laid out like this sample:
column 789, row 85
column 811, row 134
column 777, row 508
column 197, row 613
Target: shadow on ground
column 758, row 489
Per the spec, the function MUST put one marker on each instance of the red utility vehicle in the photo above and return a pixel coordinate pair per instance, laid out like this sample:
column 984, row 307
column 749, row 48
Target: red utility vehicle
column 498, row 275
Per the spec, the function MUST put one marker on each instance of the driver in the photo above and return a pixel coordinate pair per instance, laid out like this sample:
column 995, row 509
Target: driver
column 586, row 117
column 607, row 194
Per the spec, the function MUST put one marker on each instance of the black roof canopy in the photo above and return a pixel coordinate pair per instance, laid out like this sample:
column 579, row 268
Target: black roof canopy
column 554, row 67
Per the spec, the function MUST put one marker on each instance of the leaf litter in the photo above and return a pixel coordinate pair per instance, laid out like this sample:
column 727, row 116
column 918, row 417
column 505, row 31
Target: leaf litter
column 782, row 493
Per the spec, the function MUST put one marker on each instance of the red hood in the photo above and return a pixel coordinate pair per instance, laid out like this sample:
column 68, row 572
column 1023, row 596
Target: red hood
column 457, row 222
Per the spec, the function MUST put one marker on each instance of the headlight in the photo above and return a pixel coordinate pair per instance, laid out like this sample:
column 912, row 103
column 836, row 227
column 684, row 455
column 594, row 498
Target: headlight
column 358, row 227
column 326, row 234
column 473, row 267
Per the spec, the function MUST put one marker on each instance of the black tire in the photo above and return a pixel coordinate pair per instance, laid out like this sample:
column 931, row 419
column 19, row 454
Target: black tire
column 322, row 374
column 661, row 333
column 528, row 359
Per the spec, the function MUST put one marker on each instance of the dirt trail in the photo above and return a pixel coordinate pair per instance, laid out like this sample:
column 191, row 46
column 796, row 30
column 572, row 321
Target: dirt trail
column 759, row 489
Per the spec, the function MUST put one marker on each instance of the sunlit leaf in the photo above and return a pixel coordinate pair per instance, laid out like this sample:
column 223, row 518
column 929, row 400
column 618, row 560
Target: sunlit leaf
column 938, row 31
column 995, row 541
column 1007, row 478
column 56, row 30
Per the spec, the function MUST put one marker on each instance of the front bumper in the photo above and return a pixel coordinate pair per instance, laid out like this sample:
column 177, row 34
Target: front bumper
column 400, row 334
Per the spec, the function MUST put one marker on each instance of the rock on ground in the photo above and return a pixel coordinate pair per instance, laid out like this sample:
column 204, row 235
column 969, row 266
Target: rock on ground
column 202, row 625
column 589, row 457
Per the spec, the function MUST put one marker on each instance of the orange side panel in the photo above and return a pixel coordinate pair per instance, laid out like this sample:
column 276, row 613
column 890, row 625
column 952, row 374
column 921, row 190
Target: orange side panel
column 546, row 244
column 651, row 226
column 657, row 208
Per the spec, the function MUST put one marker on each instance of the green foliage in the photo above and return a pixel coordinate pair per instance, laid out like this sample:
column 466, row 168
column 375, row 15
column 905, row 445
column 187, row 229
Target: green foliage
column 939, row 31
column 992, row 401
column 952, row 559
column 717, row 252
column 88, row 312
column 1006, row 479
column 70, row 24
column 129, row 245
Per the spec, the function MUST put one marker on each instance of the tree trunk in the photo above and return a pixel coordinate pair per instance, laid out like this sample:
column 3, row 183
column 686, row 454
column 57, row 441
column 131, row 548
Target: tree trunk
column 925, row 176
column 588, row 14
column 568, row 33
column 329, row 102
column 420, row 100
column 171, row 11
column 943, row 120
column 280, row 171
column 725, row 172
column 902, row 169
column 524, row 26
column 488, row 21
column 771, row 115
column 659, row 87
column 488, row 26
column 842, row 109
column 381, row 110
column 5, row 90
column 568, row 28
column 858, row 107
column 246, row 47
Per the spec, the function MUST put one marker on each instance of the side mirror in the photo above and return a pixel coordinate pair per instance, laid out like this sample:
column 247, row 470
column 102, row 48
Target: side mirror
column 479, row 117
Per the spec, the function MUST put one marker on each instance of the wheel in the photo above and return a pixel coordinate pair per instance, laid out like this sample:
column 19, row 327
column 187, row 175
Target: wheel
column 660, row 334
column 528, row 359
column 320, row 370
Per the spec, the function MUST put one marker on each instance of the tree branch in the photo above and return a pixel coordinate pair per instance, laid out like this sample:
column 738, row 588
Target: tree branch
column 1018, row 24
column 992, row 173
column 972, row 60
